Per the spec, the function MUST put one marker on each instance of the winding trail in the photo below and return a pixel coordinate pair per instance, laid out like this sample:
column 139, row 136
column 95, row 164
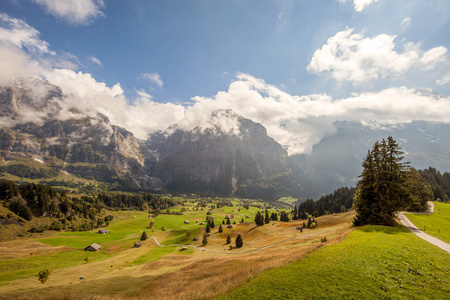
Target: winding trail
column 245, row 252
column 411, row 227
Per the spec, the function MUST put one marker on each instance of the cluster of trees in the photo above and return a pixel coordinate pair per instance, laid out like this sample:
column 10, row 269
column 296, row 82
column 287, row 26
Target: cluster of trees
column 135, row 201
column 339, row 201
column 387, row 185
column 261, row 219
column 438, row 182
column 29, row 200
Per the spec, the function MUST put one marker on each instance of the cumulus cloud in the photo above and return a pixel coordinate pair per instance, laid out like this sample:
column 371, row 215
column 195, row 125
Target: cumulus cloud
column 78, row 12
column 296, row 122
column 152, row 77
column 359, row 5
column 349, row 56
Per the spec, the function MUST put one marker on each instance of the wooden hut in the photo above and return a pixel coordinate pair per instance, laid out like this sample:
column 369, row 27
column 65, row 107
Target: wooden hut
column 94, row 247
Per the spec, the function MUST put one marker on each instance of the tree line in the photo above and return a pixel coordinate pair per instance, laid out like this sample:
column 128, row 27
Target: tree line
column 29, row 200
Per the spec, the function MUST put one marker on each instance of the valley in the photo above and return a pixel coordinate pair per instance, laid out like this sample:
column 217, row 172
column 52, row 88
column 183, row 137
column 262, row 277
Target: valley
column 159, row 271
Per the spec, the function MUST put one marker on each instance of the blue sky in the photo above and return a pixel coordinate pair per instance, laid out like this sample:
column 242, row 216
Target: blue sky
column 167, row 62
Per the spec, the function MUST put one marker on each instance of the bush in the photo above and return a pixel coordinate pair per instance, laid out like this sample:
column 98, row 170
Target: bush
column 43, row 275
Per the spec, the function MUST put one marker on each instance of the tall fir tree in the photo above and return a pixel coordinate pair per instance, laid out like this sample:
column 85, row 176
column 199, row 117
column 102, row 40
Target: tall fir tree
column 266, row 218
column 239, row 241
column 382, row 189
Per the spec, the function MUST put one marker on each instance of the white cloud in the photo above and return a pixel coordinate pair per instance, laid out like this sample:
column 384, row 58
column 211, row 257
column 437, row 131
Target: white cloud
column 405, row 23
column 17, row 32
column 95, row 60
column 359, row 5
column 152, row 77
column 359, row 59
column 297, row 122
column 433, row 56
column 78, row 12
column 444, row 80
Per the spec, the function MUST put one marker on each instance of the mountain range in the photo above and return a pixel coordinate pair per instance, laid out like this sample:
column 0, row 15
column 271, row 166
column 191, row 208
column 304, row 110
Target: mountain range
column 228, row 155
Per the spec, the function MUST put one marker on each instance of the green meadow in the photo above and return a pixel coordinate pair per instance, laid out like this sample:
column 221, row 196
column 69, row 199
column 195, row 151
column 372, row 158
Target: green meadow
column 372, row 262
column 436, row 224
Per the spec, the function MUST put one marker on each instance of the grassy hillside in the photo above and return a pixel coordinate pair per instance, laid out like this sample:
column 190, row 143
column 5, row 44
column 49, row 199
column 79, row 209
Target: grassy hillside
column 436, row 224
column 152, row 272
column 373, row 262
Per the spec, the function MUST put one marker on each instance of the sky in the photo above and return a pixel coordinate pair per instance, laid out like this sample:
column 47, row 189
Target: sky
column 295, row 66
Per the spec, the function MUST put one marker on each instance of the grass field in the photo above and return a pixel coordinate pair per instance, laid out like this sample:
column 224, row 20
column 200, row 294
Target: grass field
column 276, row 261
column 373, row 262
column 151, row 272
column 436, row 224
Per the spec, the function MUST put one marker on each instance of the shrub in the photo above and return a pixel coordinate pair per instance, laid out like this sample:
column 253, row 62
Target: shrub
column 43, row 275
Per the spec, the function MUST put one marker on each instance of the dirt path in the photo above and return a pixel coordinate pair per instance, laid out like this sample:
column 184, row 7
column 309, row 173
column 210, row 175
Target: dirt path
column 249, row 251
column 411, row 227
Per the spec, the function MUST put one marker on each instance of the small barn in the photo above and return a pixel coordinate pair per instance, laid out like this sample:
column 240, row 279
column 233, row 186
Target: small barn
column 184, row 249
column 137, row 244
column 300, row 227
column 195, row 238
column 103, row 231
column 186, row 222
column 94, row 247
column 230, row 226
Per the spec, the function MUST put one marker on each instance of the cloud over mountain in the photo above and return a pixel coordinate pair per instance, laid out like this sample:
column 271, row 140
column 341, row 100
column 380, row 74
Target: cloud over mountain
column 295, row 121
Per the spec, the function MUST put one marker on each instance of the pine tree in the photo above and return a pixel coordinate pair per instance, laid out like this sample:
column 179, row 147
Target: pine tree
column 228, row 239
column 266, row 219
column 211, row 224
column 144, row 236
column 382, row 189
column 239, row 241
column 294, row 213
column 205, row 240
column 259, row 219
column 220, row 228
column 208, row 227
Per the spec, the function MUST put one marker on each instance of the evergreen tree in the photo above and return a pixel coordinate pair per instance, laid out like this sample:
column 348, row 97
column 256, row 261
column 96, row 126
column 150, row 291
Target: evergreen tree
column 294, row 213
column 303, row 215
column 228, row 221
column 419, row 193
column 205, row 240
column 321, row 209
column 144, row 236
column 266, row 219
column 211, row 224
column 228, row 239
column 259, row 219
column 382, row 190
column 220, row 228
column 239, row 241
column 208, row 227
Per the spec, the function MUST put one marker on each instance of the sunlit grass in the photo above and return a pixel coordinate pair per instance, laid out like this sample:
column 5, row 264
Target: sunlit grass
column 436, row 224
column 373, row 262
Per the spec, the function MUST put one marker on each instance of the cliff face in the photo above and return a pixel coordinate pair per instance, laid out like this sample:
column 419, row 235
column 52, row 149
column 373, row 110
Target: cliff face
column 77, row 143
column 236, row 158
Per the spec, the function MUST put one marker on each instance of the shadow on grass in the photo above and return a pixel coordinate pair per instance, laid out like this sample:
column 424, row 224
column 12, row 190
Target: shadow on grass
column 383, row 229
